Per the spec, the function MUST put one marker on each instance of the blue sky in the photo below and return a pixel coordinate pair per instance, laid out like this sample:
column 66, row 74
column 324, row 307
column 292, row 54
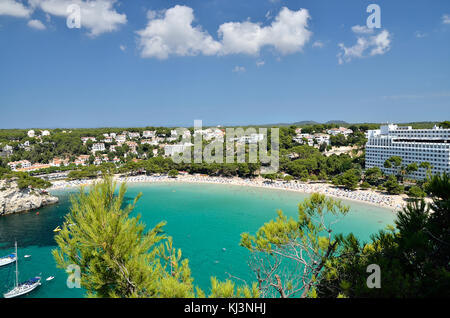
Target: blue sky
column 130, row 64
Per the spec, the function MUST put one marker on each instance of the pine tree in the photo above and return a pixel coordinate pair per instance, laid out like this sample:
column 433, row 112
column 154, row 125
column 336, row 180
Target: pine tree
column 118, row 258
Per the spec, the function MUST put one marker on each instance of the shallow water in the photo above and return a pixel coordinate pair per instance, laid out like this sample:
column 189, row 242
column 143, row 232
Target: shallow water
column 205, row 221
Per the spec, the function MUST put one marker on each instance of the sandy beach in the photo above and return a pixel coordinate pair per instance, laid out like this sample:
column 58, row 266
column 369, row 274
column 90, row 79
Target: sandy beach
column 392, row 202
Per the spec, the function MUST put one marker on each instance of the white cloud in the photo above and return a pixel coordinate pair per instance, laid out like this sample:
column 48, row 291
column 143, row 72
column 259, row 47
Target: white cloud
column 361, row 29
column 420, row 34
column 318, row 44
column 14, row 8
column 122, row 48
column 238, row 69
column 98, row 16
column 174, row 34
column 446, row 19
column 366, row 45
column 260, row 63
column 288, row 33
column 36, row 24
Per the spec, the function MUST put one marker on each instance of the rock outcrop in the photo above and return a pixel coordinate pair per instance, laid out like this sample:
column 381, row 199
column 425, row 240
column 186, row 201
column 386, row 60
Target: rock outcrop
column 13, row 199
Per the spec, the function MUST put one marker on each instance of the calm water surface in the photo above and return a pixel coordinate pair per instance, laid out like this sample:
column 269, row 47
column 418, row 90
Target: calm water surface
column 205, row 221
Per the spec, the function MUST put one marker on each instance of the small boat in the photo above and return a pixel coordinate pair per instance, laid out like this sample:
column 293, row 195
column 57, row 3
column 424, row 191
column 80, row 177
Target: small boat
column 22, row 288
column 57, row 229
column 49, row 278
column 26, row 256
column 8, row 259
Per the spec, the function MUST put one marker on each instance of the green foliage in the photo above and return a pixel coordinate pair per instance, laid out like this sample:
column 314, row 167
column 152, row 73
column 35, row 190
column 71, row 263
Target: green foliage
column 414, row 257
column 416, row 192
column 365, row 185
column 118, row 257
column 285, row 242
column 373, row 175
column 392, row 186
column 173, row 173
column 349, row 179
column 24, row 180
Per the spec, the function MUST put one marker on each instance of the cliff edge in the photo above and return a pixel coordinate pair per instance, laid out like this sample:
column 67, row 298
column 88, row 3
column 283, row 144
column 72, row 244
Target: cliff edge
column 14, row 200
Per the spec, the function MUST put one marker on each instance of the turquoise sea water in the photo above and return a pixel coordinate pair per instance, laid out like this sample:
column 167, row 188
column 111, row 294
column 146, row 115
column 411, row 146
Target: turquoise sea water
column 205, row 221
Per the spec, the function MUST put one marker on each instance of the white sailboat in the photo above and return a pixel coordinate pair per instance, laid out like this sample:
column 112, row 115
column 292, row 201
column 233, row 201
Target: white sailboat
column 22, row 288
column 8, row 259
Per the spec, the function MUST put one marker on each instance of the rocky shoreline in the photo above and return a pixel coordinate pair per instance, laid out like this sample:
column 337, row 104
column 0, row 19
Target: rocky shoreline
column 15, row 200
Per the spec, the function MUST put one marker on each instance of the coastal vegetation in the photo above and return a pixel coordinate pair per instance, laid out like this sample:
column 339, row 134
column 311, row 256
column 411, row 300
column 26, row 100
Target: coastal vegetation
column 414, row 256
column 288, row 255
column 297, row 161
column 301, row 257
column 119, row 257
column 23, row 179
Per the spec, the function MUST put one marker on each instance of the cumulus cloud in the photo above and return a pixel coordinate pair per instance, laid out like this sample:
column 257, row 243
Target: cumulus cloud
column 362, row 29
column 238, row 69
column 420, row 34
column 446, row 19
column 36, row 24
column 260, row 63
column 14, row 8
column 288, row 33
column 318, row 44
column 367, row 44
column 98, row 16
column 172, row 33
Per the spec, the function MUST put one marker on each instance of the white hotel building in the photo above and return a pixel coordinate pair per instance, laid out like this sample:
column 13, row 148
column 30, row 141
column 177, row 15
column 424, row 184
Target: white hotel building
column 412, row 145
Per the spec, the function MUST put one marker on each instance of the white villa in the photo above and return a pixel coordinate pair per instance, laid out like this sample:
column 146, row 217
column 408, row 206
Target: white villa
column 19, row 164
column 98, row 147
column 85, row 139
column 149, row 134
column 170, row 150
column 121, row 138
column 134, row 135
column 341, row 130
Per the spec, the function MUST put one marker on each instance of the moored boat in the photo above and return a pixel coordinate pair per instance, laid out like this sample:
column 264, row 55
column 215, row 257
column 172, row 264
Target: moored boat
column 8, row 259
column 22, row 288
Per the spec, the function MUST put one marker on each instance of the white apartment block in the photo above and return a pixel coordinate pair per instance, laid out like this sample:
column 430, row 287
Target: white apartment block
column 134, row 135
column 121, row 138
column 170, row 150
column 412, row 145
column 85, row 139
column 19, row 164
column 308, row 137
column 149, row 133
column 322, row 138
column 98, row 147
column 341, row 130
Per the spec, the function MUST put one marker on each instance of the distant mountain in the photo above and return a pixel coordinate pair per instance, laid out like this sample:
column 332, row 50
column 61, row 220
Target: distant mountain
column 305, row 122
column 336, row 122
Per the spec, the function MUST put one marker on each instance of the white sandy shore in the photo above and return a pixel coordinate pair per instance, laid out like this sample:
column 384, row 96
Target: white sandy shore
column 392, row 202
